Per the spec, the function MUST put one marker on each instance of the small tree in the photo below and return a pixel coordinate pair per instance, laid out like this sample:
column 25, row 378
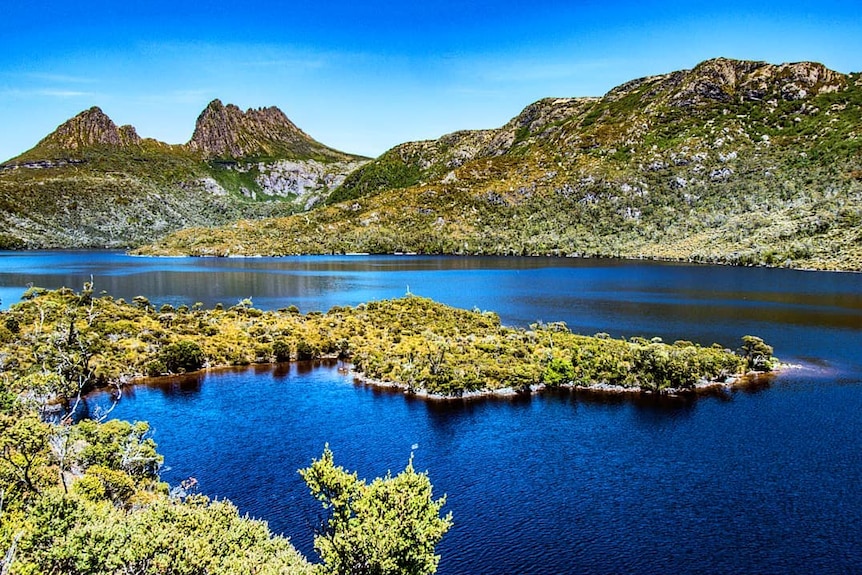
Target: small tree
column 757, row 354
column 305, row 351
column 388, row 527
column 182, row 356
column 24, row 456
column 281, row 350
column 558, row 371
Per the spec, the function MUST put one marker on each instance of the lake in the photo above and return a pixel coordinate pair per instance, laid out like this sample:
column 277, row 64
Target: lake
column 760, row 480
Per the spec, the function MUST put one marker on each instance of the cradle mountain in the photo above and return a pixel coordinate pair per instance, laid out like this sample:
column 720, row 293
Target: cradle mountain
column 91, row 183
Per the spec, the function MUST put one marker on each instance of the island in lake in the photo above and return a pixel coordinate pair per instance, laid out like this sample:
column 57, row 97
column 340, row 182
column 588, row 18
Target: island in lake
column 64, row 343
column 735, row 162
column 68, row 485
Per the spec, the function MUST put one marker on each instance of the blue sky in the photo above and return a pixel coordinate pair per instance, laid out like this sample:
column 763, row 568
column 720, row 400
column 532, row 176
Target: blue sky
column 365, row 76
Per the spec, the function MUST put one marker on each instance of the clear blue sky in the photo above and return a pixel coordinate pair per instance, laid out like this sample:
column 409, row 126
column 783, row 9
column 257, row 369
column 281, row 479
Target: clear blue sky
column 364, row 76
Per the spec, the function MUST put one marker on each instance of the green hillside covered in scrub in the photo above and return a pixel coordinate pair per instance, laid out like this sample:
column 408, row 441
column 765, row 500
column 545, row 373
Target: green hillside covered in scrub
column 734, row 162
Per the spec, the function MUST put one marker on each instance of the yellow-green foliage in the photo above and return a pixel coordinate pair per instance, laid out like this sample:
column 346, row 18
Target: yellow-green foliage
column 86, row 497
column 400, row 511
column 88, row 534
column 68, row 341
column 91, row 514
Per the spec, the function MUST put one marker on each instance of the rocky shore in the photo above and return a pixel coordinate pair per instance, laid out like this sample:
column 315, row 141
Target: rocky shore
column 597, row 388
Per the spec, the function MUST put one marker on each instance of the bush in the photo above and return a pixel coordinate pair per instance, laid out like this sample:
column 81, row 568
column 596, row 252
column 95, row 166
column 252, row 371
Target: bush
column 281, row 350
column 12, row 325
column 559, row 371
column 305, row 350
column 104, row 483
column 156, row 368
column 182, row 356
column 757, row 353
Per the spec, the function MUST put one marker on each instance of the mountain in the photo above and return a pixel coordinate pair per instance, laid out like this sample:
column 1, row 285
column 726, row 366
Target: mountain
column 228, row 132
column 91, row 183
column 86, row 130
column 731, row 161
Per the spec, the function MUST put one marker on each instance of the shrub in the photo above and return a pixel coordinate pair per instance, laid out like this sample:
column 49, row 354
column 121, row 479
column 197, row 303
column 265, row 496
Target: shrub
column 104, row 483
column 305, row 350
column 558, row 371
column 281, row 350
column 182, row 356
column 12, row 324
column 757, row 354
column 156, row 368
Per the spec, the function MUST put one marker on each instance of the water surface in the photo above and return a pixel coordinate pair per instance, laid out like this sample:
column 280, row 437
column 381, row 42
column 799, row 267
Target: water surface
column 753, row 482
column 757, row 481
column 804, row 314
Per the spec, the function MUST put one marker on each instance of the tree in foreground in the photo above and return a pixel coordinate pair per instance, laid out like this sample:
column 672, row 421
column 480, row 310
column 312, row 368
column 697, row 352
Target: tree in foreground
column 388, row 527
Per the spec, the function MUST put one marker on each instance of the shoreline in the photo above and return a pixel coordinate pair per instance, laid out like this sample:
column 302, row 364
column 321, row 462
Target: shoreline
column 630, row 258
column 751, row 378
column 685, row 260
column 702, row 387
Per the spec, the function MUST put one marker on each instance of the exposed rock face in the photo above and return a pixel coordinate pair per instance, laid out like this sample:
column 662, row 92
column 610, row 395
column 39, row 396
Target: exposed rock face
column 623, row 117
column 308, row 180
column 723, row 80
column 228, row 132
column 88, row 129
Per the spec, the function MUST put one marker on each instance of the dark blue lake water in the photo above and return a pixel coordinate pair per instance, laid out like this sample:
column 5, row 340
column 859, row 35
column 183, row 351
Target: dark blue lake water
column 758, row 481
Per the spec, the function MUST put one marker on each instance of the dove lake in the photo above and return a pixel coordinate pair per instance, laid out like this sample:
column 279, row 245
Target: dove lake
column 759, row 479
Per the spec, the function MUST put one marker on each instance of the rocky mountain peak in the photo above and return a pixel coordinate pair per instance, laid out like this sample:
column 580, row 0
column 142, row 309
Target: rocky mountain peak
column 225, row 131
column 725, row 80
column 88, row 129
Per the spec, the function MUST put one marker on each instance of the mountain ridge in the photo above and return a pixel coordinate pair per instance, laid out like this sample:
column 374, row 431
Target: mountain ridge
column 731, row 161
column 221, row 132
column 228, row 132
column 91, row 183
column 89, row 128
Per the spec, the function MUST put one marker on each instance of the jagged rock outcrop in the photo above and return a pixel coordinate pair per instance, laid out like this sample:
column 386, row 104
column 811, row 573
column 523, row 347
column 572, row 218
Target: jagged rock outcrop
column 91, row 183
column 228, row 132
column 91, row 128
column 308, row 181
column 724, row 80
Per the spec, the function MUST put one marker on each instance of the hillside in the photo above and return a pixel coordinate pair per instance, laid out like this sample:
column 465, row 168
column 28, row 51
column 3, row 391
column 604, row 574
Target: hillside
column 732, row 161
column 91, row 183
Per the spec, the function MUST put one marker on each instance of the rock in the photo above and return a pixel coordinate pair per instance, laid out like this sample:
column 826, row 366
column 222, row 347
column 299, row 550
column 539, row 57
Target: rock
column 88, row 129
column 228, row 132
